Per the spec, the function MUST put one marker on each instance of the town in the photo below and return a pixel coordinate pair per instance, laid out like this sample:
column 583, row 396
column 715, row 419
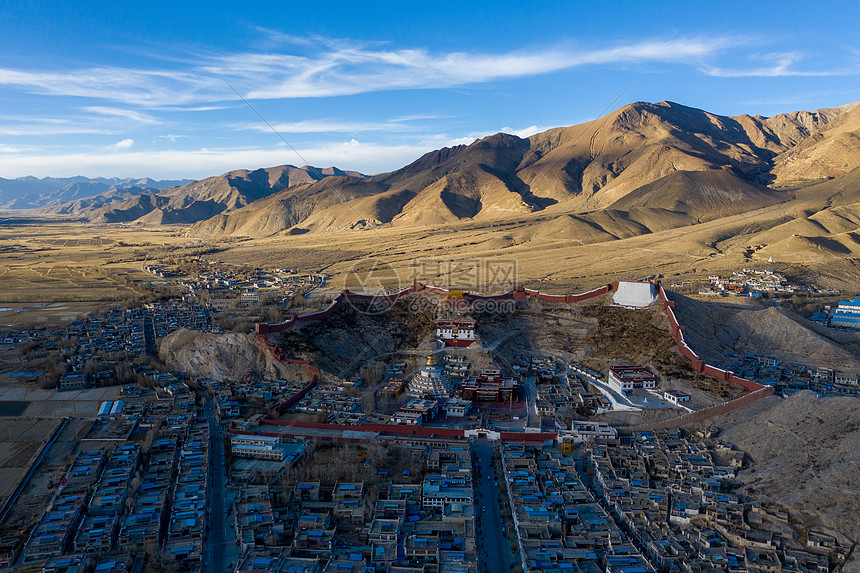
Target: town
column 466, row 452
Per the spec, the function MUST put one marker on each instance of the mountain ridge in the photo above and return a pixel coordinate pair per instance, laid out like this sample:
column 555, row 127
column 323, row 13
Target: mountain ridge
column 683, row 159
column 33, row 193
column 648, row 160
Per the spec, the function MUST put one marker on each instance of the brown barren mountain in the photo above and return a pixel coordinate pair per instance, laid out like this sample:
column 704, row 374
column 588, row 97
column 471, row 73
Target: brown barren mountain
column 198, row 200
column 646, row 162
column 784, row 188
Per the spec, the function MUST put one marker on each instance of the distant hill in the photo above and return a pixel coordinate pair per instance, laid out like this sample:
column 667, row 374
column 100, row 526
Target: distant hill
column 197, row 200
column 33, row 193
column 648, row 163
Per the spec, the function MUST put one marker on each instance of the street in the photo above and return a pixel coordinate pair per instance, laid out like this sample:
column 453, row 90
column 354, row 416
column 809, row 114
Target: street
column 494, row 551
column 214, row 540
column 149, row 334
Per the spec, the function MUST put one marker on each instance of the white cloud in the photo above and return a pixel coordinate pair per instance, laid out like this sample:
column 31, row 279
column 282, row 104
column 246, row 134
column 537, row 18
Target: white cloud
column 195, row 107
column 352, row 69
column 418, row 116
column 364, row 157
column 123, row 144
column 337, row 68
column 173, row 137
column 106, row 121
column 781, row 67
column 328, row 126
column 460, row 141
column 147, row 88
column 124, row 113
column 524, row 132
column 51, row 128
column 16, row 149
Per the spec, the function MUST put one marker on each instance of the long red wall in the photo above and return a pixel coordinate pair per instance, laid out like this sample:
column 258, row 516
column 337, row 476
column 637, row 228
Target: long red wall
column 517, row 293
column 706, row 413
column 697, row 363
column 294, row 399
column 757, row 391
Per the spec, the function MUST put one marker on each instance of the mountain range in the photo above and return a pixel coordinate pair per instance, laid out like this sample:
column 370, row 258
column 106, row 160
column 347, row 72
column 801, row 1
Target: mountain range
column 73, row 192
column 643, row 168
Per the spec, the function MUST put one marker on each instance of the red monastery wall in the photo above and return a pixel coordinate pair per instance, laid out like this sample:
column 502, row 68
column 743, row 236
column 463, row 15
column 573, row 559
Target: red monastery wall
column 757, row 391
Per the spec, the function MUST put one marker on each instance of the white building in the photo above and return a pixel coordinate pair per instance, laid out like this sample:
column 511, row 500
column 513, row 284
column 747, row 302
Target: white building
column 250, row 297
column 438, row 491
column 457, row 408
column 406, row 418
column 675, row 396
column 627, row 378
column 594, row 429
column 847, row 314
column 116, row 409
column 259, row 447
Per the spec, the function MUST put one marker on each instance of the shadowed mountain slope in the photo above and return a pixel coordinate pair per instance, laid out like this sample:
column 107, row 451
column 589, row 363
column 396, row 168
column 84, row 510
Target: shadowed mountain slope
column 642, row 168
column 643, row 159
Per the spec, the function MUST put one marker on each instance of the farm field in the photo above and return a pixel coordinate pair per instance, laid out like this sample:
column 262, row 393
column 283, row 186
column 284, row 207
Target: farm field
column 20, row 441
column 76, row 266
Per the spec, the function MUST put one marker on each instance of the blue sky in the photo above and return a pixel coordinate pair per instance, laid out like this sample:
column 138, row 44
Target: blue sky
column 107, row 89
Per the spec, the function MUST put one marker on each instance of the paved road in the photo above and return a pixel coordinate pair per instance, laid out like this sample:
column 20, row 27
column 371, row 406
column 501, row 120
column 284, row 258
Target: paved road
column 494, row 548
column 618, row 400
column 214, row 543
column 530, row 392
column 149, row 334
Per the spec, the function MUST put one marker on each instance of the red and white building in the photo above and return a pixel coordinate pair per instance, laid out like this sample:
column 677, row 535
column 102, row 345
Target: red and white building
column 490, row 386
column 627, row 378
column 456, row 333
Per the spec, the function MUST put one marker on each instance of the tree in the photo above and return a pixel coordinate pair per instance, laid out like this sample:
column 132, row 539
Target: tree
column 374, row 373
column 51, row 377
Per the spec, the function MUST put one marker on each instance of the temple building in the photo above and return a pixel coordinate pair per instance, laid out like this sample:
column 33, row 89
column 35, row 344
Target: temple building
column 627, row 378
column 431, row 381
column 456, row 333
column 490, row 386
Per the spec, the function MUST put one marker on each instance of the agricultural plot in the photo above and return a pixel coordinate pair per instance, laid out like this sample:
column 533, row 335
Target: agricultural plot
column 73, row 262
column 20, row 442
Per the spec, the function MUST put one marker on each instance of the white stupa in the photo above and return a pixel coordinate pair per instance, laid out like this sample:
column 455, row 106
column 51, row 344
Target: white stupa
column 431, row 381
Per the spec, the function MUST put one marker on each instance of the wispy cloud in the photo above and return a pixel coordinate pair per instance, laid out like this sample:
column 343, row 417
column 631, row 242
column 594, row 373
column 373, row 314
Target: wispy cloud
column 780, row 65
column 123, row 113
column 130, row 86
column 17, row 149
column 418, row 116
column 173, row 137
column 49, row 126
column 92, row 121
column 195, row 108
column 330, row 126
column 171, row 164
column 351, row 69
column 341, row 67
